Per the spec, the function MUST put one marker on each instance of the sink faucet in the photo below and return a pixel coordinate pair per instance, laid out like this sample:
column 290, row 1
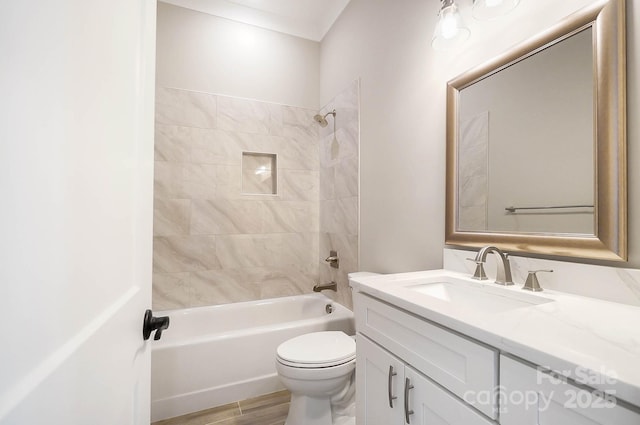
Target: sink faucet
column 503, row 276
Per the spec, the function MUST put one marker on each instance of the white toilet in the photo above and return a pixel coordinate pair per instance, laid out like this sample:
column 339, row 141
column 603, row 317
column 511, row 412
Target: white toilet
column 315, row 367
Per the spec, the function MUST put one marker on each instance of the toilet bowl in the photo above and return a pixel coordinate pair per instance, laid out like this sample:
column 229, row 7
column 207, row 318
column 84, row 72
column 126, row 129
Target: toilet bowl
column 315, row 367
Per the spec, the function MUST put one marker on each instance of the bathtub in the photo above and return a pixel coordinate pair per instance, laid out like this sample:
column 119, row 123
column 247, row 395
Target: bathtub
column 216, row 355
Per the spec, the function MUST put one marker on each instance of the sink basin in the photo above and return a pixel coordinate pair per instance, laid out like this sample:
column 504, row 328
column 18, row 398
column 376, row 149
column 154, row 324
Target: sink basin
column 465, row 295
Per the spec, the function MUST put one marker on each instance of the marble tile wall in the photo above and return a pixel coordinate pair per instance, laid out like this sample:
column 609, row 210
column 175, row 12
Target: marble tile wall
column 214, row 244
column 473, row 163
column 339, row 190
column 606, row 283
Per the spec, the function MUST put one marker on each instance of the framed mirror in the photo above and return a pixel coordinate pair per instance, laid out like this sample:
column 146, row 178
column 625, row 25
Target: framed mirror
column 536, row 143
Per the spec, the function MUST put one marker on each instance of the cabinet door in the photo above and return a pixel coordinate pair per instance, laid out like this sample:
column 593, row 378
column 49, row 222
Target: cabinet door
column 428, row 403
column 379, row 380
column 532, row 397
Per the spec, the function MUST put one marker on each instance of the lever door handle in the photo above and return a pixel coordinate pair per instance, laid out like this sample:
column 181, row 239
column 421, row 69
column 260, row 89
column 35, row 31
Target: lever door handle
column 152, row 323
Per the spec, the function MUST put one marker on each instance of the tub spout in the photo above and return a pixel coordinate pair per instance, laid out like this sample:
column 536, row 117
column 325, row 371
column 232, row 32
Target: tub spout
column 331, row 285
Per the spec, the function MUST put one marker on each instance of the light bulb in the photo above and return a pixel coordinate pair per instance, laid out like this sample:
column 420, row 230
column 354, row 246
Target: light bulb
column 450, row 30
column 449, row 27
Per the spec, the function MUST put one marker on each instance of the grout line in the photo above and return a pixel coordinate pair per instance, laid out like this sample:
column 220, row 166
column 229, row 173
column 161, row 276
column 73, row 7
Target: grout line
column 239, row 408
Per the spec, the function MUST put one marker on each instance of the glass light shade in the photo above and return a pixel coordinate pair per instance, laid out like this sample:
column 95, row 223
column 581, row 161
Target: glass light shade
column 450, row 30
column 489, row 9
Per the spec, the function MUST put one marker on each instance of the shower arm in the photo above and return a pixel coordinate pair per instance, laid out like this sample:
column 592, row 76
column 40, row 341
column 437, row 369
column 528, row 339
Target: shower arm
column 330, row 113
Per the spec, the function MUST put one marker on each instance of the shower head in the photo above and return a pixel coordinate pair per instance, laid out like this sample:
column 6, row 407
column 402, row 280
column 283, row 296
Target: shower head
column 322, row 119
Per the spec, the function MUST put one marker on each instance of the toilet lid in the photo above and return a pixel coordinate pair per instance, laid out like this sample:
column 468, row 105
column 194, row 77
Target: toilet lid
column 318, row 348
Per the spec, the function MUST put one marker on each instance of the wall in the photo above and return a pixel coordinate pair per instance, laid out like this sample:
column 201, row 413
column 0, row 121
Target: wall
column 402, row 120
column 213, row 242
column 201, row 52
column 339, row 147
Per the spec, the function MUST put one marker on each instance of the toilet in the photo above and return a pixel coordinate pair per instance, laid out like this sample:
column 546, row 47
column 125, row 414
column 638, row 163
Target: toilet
column 315, row 368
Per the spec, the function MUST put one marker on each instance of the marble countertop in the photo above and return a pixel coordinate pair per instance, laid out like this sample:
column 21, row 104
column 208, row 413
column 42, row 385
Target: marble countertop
column 590, row 341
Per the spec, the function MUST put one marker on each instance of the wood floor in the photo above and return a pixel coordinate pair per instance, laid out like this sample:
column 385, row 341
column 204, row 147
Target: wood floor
column 270, row 409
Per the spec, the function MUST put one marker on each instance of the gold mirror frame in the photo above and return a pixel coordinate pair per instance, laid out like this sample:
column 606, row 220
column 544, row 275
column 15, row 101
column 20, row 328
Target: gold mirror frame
column 607, row 19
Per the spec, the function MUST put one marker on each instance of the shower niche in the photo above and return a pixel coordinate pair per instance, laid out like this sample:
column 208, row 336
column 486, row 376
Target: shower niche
column 259, row 173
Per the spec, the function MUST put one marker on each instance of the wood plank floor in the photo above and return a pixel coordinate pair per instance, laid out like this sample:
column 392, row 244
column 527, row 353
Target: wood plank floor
column 270, row 409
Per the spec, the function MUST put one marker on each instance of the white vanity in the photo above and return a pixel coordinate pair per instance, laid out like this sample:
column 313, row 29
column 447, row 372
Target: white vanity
column 438, row 347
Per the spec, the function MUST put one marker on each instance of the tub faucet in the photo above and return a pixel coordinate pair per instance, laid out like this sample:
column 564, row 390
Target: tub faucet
column 331, row 285
column 503, row 275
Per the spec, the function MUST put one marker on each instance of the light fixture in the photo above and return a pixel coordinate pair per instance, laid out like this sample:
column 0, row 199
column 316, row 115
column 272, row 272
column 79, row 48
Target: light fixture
column 489, row 9
column 450, row 30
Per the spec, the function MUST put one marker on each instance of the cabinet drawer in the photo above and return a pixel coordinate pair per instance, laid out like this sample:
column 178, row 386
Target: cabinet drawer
column 530, row 396
column 462, row 366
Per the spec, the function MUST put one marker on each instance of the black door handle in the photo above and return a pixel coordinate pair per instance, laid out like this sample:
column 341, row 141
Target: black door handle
column 151, row 324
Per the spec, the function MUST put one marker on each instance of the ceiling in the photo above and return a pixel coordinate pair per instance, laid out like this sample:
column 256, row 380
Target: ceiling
column 310, row 19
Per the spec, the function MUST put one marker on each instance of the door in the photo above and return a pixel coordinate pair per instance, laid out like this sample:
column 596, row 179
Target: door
column 379, row 380
column 76, row 173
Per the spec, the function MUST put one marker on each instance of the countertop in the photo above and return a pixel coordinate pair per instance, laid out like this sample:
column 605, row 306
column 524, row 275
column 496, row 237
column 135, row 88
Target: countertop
column 590, row 341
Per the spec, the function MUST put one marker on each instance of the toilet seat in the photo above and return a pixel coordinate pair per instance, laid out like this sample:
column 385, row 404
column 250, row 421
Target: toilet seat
column 317, row 350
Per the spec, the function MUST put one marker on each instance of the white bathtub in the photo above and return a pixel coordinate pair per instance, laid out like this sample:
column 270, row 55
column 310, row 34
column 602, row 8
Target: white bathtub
column 215, row 355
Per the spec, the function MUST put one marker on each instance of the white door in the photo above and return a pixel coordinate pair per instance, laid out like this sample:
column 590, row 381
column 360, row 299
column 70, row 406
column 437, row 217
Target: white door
column 76, row 172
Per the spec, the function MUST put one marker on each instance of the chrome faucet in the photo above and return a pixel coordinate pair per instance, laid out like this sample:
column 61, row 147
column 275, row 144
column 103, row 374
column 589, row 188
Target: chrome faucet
column 503, row 275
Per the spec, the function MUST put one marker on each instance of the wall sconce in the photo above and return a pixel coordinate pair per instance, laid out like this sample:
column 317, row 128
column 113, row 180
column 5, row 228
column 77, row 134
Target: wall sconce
column 489, row 9
column 450, row 30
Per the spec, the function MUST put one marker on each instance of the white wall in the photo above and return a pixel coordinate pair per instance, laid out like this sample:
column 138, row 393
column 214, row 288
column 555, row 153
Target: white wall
column 387, row 45
column 201, row 52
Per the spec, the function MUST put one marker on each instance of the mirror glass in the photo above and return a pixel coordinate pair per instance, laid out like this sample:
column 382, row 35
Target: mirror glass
column 526, row 145
column 536, row 143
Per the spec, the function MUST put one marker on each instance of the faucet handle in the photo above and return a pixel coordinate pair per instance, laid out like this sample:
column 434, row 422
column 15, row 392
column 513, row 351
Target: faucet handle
column 479, row 273
column 333, row 259
column 532, row 283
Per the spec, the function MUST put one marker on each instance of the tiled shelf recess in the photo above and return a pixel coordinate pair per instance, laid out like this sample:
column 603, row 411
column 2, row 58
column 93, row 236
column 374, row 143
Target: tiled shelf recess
column 259, row 173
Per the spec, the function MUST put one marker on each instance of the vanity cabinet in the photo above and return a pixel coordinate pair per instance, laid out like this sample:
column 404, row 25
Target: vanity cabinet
column 416, row 371
column 390, row 392
column 533, row 397
column 442, row 366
